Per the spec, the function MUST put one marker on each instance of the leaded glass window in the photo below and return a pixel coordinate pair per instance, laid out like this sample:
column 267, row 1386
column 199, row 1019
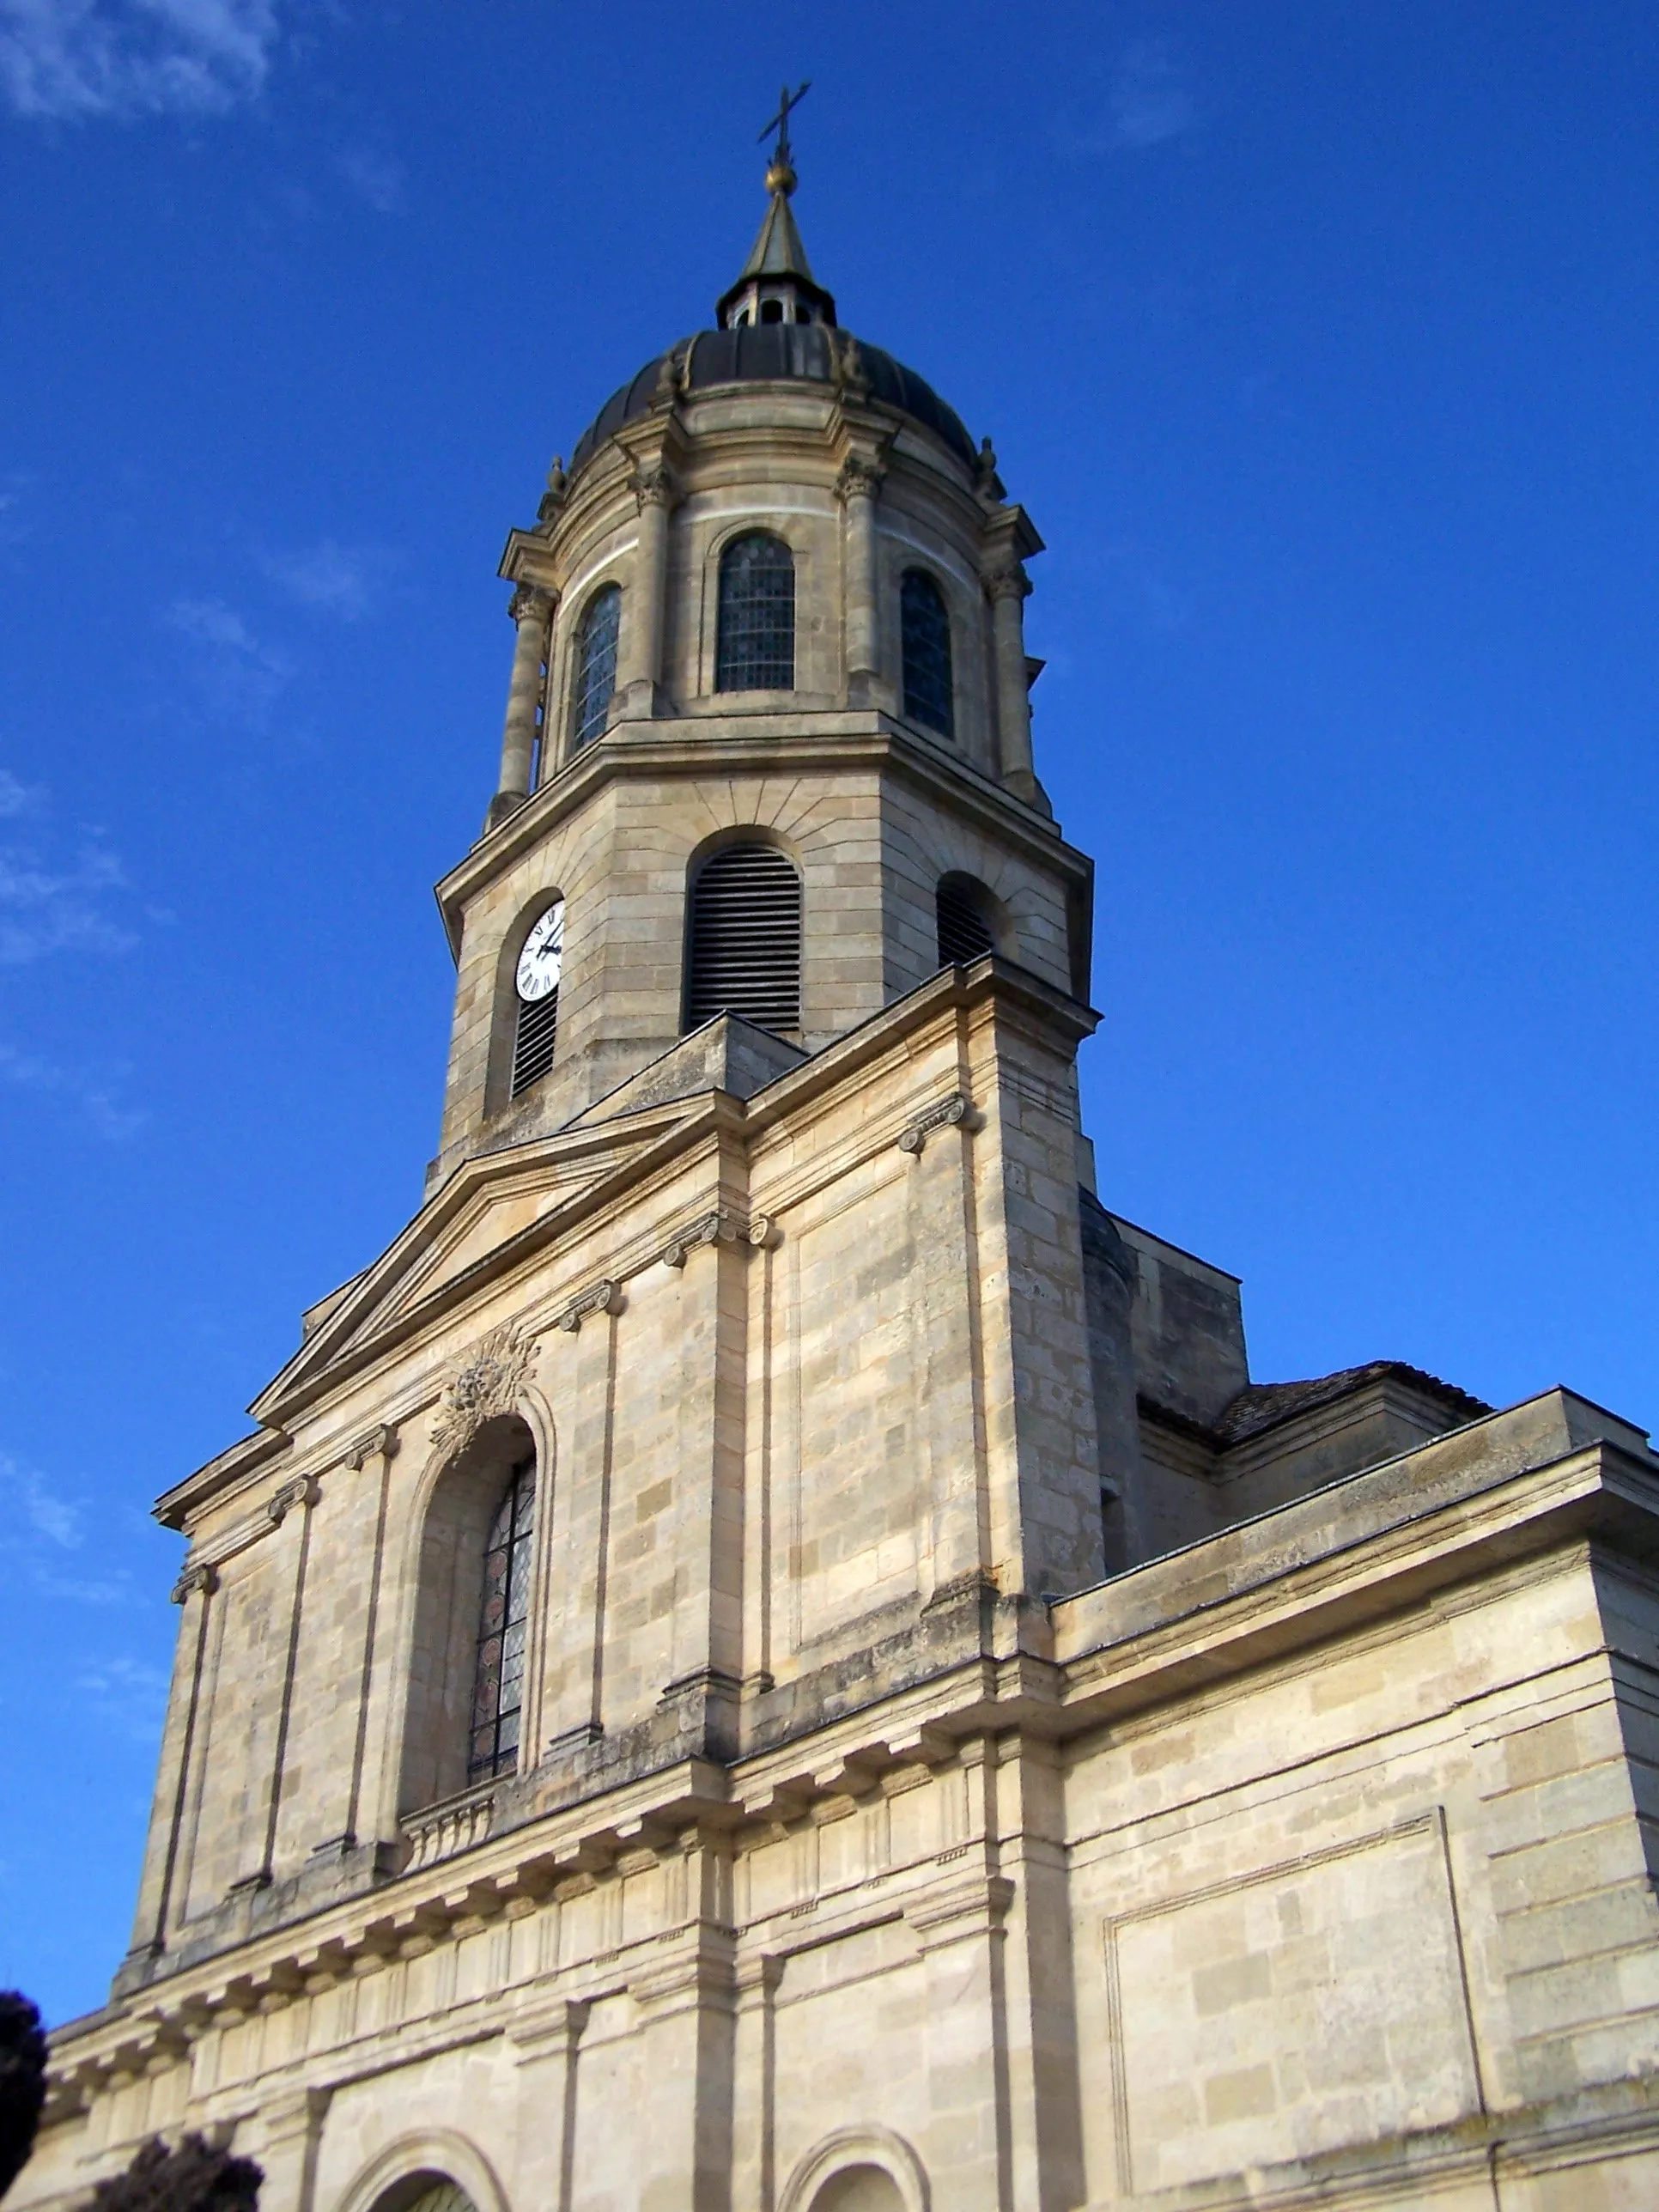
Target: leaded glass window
column 925, row 625
column 756, row 647
column 498, row 1678
column 596, row 664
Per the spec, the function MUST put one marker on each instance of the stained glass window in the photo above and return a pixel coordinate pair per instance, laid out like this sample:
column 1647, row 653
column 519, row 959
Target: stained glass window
column 498, row 1678
column 596, row 664
column 756, row 649
column 925, row 627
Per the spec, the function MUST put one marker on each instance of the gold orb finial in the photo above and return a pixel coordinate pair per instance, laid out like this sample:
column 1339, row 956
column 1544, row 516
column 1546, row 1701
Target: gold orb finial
column 781, row 176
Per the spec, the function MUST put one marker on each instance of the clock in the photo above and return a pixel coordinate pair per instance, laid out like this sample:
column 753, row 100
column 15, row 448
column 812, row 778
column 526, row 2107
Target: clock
column 543, row 957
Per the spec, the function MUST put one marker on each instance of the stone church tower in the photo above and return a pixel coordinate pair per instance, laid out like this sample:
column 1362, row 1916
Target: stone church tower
column 767, row 1655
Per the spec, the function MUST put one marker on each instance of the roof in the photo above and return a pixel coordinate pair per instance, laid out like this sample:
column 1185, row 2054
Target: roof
column 1262, row 1406
column 772, row 353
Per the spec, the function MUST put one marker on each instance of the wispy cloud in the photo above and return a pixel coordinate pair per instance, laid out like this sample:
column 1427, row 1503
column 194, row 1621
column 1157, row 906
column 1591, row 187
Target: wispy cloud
column 122, row 58
column 43, row 1532
column 1149, row 101
column 375, row 178
column 60, row 906
column 129, row 1692
column 98, row 1097
column 239, row 677
column 330, row 579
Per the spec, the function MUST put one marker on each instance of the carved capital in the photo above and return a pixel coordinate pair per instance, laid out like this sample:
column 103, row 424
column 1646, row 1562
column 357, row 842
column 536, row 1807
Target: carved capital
column 302, row 1490
column 529, row 603
column 952, row 1113
column 718, row 1228
column 196, row 1581
column 1010, row 582
column 601, row 1298
column 858, row 478
column 487, row 1383
column 656, row 486
column 384, row 1443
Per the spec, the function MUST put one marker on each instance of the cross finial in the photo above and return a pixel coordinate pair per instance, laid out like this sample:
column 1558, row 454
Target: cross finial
column 781, row 175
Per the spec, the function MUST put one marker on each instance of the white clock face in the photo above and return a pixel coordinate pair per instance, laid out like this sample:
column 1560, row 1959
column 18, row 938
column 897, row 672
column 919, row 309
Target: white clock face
column 542, row 956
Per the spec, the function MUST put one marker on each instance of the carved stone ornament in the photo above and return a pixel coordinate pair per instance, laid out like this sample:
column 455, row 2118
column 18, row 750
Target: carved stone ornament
column 302, row 1490
column 847, row 371
column 950, row 1112
column 383, row 1440
column 655, row 486
column 196, row 1581
column 672, row 374
column 558, row 490
column 717, row 1228
column 529, row 600
column 1009, row 583
column 486, row 1385
column 601, row 1298
column 858, row 478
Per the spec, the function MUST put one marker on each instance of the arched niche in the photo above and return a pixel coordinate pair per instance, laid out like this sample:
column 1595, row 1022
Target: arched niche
column 858, row 2169
column 433, row 2170
column 460, row 1509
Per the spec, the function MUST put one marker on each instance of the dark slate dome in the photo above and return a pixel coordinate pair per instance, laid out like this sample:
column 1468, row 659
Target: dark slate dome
column 768, row 352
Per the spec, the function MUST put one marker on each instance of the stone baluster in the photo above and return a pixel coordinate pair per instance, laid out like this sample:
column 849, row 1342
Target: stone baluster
column 532, row 611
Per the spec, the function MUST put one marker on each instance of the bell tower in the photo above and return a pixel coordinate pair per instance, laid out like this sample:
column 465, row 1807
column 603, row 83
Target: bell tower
column 778, row 591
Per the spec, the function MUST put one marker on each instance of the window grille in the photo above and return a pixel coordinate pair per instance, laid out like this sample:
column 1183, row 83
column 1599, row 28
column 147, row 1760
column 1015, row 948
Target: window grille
column 756, row 647
column 498, row 1678
column 596, row 664
column 964, row 934
column 925, row 628
column 744, row 939
column 533, row 1039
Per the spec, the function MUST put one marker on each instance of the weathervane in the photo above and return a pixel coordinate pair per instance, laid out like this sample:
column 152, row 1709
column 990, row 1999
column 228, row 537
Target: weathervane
column 781, row 175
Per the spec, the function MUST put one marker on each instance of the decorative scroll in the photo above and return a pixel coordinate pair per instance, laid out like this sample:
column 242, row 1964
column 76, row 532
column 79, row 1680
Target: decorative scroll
column 485, row 1385
column 949, row 1113
column 601, row 1298
column 196, row 1581
column 302, row 1490
column 717, row 1228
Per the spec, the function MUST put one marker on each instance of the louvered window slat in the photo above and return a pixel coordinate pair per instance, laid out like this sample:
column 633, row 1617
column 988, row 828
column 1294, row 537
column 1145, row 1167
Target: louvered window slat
column 533, row 1039
column 964, row 933
column 744, row 948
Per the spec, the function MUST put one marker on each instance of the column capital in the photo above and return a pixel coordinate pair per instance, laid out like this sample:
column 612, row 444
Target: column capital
column 655, row 485
column 196, row 1581
column 859, row 478
column 1007, row 582
column 530, row 600
column 304, row 1490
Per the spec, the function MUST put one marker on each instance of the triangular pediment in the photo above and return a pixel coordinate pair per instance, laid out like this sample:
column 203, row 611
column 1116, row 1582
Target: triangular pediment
column 493, row 1210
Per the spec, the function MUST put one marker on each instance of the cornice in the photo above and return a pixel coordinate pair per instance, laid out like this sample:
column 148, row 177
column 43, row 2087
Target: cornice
column 686, row 746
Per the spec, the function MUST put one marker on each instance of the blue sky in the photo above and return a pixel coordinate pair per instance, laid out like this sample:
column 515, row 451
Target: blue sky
column 1317, row 337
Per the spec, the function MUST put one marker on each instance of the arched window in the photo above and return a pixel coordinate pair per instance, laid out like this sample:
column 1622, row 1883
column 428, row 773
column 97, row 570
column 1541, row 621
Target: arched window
column 756, row 647
column 924, row 626
column 596, row 664
column 743, row 949
column 504, row 1624
column 536, row 998
column 963, row 908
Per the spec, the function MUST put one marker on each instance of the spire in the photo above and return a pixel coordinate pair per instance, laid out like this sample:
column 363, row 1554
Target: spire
column 776, row 284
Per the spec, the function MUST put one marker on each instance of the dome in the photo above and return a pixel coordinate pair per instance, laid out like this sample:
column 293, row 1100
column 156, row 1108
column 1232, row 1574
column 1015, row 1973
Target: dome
column 769, row 353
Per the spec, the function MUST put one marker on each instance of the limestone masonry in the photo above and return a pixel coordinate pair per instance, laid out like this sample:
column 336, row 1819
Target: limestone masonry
column 767, row 1655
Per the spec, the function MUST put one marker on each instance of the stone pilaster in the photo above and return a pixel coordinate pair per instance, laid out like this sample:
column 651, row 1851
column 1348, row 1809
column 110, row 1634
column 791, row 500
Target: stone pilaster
column 639, row 678
column 1008, row 587
column 859, row 486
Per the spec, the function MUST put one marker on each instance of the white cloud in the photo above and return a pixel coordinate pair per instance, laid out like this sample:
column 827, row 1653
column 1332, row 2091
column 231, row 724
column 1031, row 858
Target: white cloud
column 16, row 797
column 129, row 1692
column 114, row 57
column 46, row 1512
column 1149, row 101
column 332, row 579
column 98, row 1097
column 239, row 677
column 375, row 178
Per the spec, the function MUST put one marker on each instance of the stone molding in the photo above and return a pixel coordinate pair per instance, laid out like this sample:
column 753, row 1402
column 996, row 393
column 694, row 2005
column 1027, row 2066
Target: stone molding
column 719, row 1227
column 859, row 479
column 199, row 1581
column 605, row 1297
column 486, row 1385
column 952, row 1113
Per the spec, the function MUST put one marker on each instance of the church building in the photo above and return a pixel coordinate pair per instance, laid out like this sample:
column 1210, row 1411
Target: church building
column 768, row 1655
